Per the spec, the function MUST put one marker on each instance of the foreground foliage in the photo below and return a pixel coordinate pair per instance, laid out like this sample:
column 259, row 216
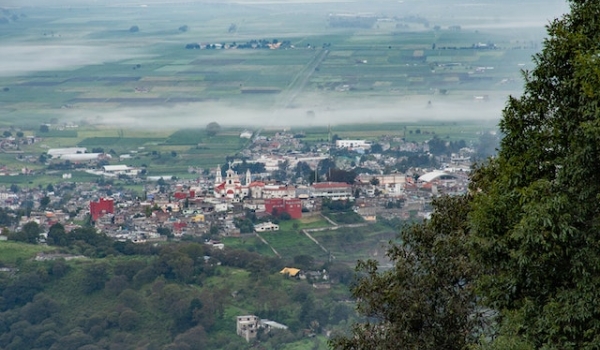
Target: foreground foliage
column 531, row 223
column 427, row 299
column 535, row 219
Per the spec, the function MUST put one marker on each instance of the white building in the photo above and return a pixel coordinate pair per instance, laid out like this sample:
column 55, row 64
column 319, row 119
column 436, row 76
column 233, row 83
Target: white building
column 266, row 227
column 246, row 134
column 278, row 191
column 392, row 184
column 247, row 326
column 82, row 157
column 333, row 190
column 353, row 144
column 120, row 169
column 268, row 325
column 231, row 187
column 437, row 177
column 57, row 152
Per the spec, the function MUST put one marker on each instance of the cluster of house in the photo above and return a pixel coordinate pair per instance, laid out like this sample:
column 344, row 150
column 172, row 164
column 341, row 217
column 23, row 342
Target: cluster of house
column 11, row 144
column 215, row 200
column 190, row 209
column 196, row 206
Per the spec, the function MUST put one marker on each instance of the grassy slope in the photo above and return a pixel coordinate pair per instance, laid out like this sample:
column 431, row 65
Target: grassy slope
column 12, row 252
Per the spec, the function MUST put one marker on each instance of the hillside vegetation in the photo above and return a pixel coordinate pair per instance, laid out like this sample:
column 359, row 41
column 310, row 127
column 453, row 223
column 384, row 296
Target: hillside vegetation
column 173, row 296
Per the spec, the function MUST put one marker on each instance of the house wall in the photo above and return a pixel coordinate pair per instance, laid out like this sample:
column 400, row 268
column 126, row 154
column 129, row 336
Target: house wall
column 247, row 326
column 103, row 206
column 292, row 206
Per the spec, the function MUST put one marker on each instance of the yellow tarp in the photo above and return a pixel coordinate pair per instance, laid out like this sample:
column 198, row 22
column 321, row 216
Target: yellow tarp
column 290, row 271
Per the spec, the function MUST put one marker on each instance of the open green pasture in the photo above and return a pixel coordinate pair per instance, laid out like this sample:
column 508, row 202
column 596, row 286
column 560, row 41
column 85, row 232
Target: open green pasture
column 308, row 223
column 291, row 243
column 345, row 244
column 251, row 243
column 43, row 180
column 350, row 244
column 120, row 142
column 389, row 70
column 11, row 252
column 288, row 241
column 138, row 91
column 411, row 131
column 162, row 153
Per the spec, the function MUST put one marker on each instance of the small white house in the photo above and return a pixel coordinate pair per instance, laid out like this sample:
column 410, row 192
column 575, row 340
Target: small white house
column 266, row 227
column 120, row 169
column 352, row 144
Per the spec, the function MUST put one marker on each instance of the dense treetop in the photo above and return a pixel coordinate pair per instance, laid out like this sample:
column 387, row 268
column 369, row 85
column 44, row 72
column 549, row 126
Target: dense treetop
column 535, row 221
column 530, row 224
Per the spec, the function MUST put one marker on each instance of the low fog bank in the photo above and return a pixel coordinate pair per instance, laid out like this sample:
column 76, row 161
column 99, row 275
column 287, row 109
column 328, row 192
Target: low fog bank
column 199, row 115
column 17, row 60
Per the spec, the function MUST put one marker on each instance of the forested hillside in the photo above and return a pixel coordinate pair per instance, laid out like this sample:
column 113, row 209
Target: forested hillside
column 180, row 295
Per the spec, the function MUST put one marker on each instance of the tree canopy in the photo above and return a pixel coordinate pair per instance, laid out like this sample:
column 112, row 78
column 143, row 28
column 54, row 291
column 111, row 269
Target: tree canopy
column 30, row 233
column 535, row 221
column 213, row 128
column 426, row 300
column 524, row 243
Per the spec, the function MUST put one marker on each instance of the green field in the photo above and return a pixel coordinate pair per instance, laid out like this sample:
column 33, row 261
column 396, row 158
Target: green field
column 172, row 152
column 94, row 70
column 145, row 94
column 12, row 252
column 343, row 245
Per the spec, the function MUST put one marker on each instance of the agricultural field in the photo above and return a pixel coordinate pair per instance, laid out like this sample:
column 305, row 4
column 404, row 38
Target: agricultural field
column 344, row 245
column 89, row 64
column 120, row 78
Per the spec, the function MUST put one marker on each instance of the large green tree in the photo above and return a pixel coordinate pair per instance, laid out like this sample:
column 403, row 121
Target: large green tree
column 535, row 221
column 213, row 128
column 30, row 233
column 531, row 223
column 426, row 300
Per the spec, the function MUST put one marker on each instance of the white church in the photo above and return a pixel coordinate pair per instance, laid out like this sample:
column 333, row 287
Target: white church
column 232, row 187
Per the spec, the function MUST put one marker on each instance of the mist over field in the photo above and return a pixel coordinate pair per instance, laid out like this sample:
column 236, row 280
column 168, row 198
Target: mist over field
column 84, row 64
column 199, row 115
column 22, row 59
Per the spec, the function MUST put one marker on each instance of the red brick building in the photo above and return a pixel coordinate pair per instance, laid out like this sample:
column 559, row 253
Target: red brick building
column 292, row 206
column 103, row 206
column 183, row 195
